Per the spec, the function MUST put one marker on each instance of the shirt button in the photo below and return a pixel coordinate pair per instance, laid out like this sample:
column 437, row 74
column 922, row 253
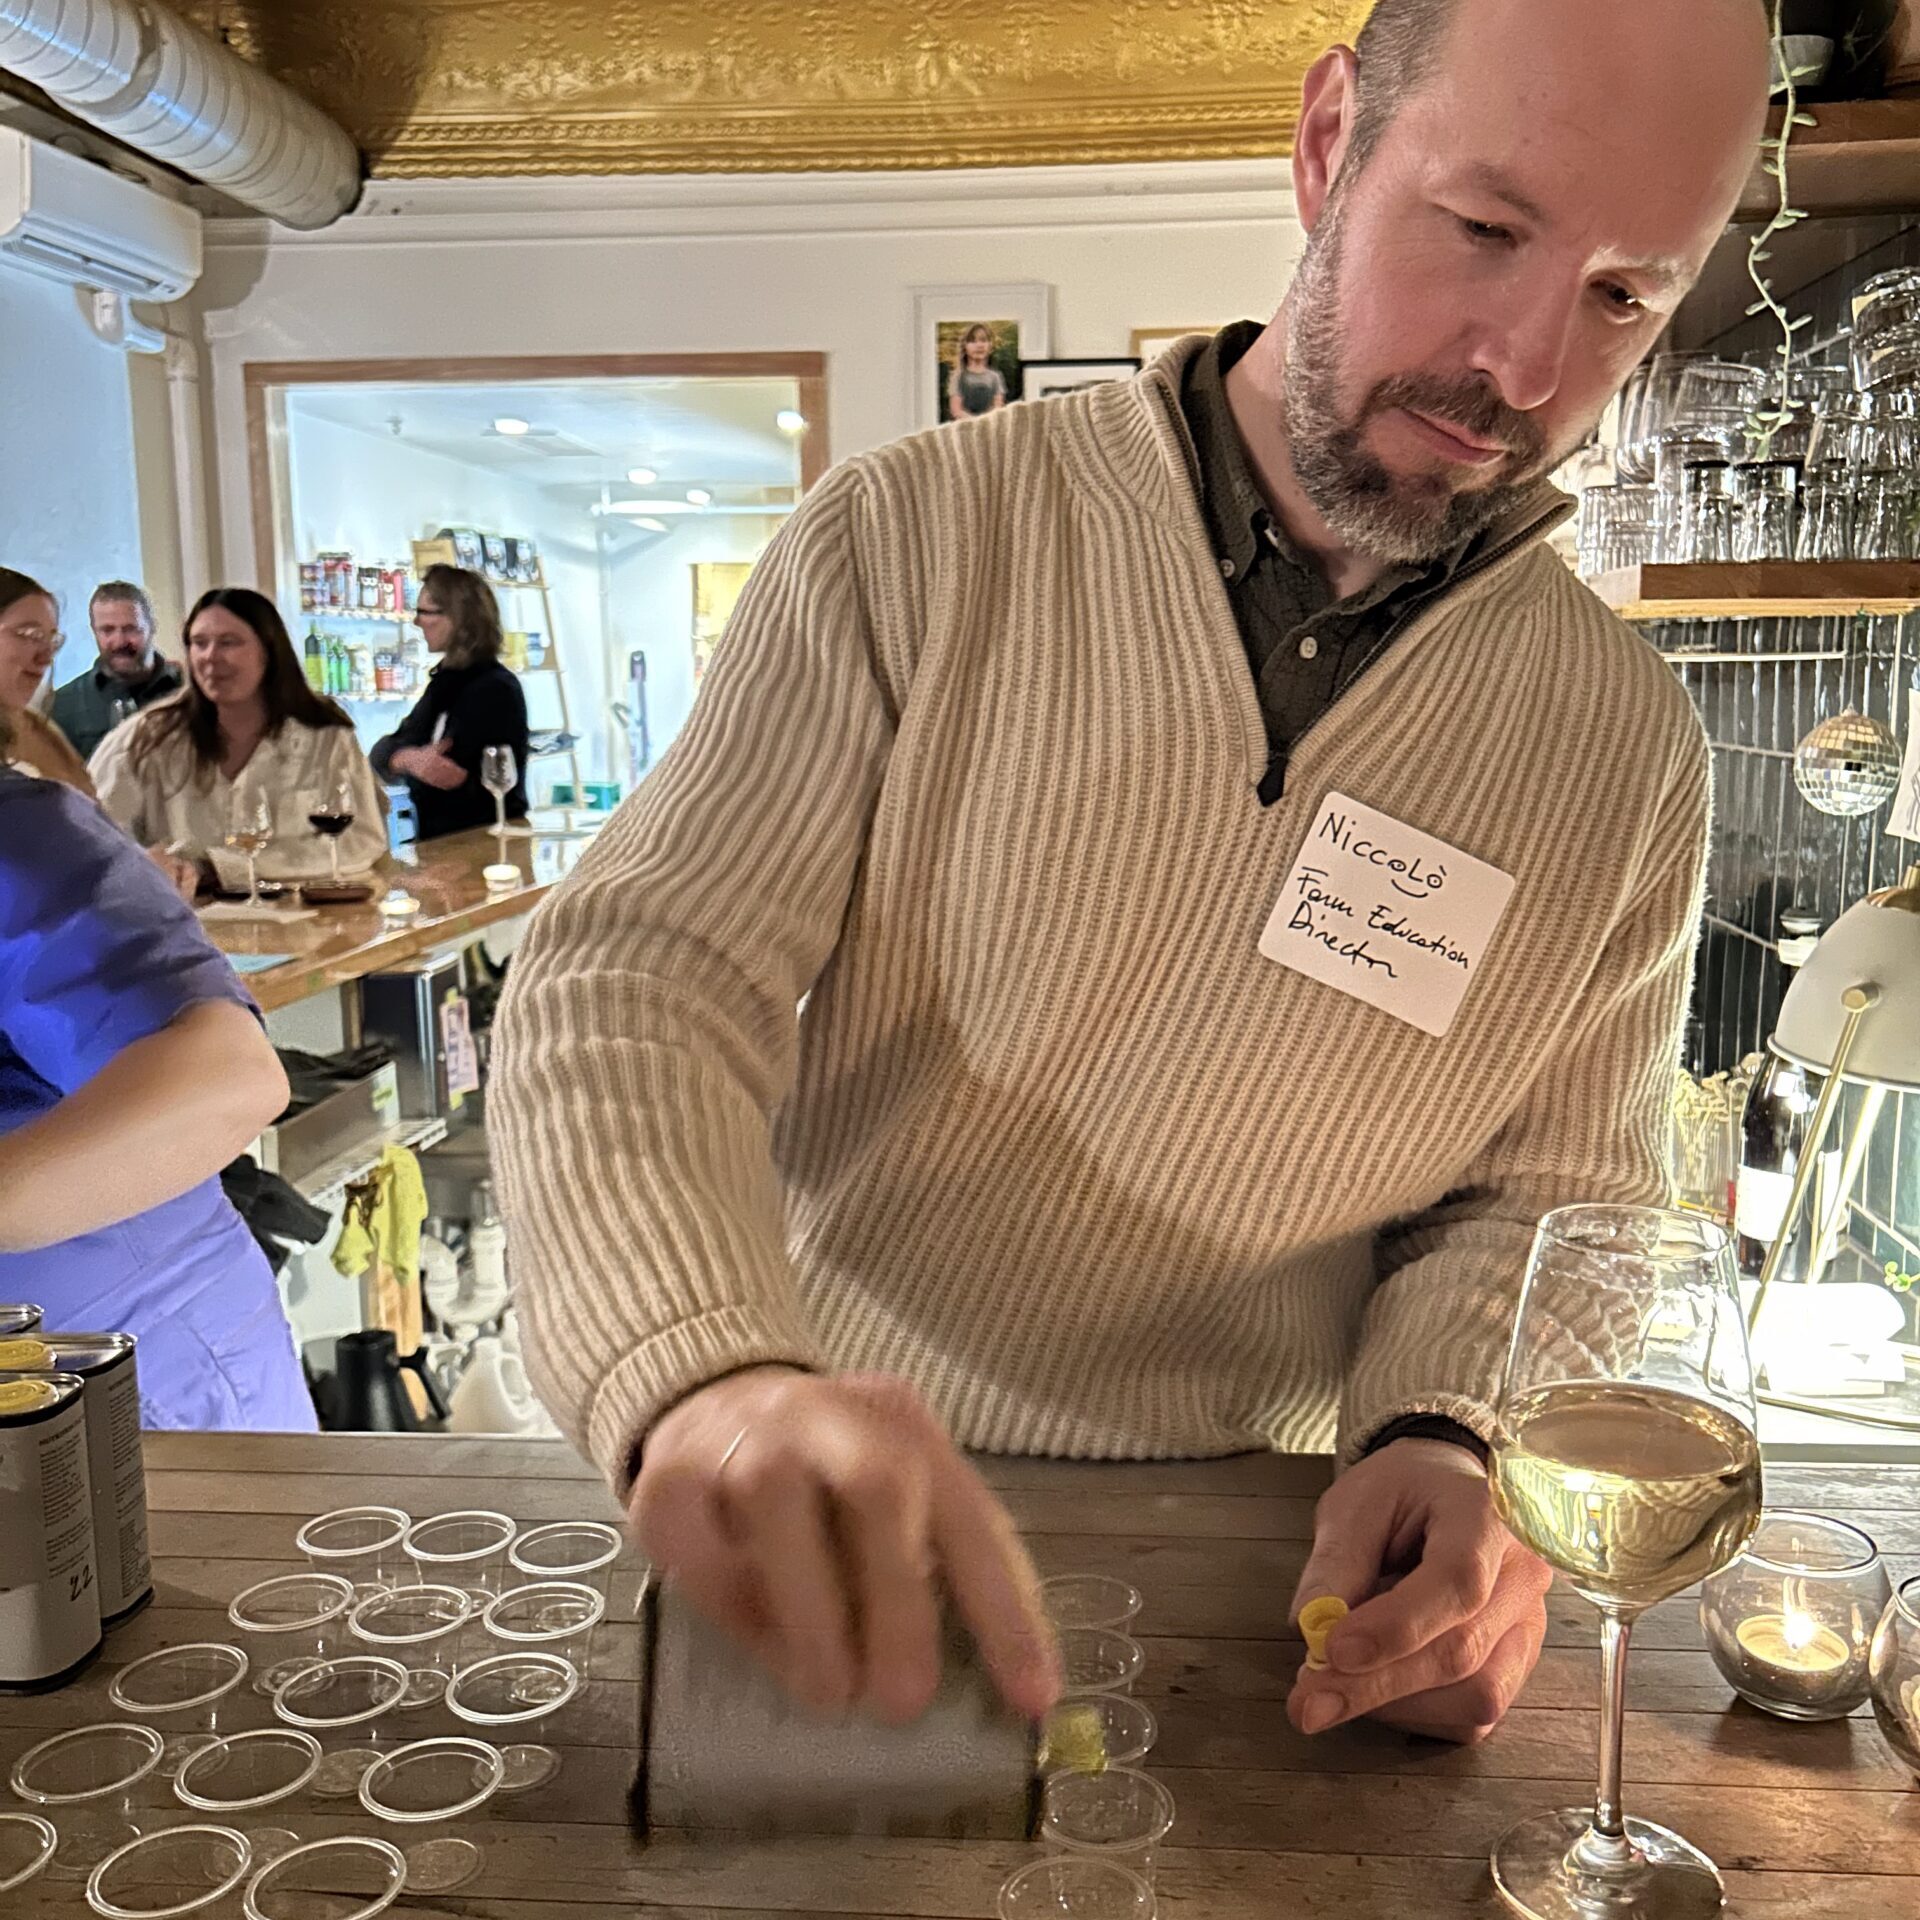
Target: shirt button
column 1226, row 567
column 1309, row 648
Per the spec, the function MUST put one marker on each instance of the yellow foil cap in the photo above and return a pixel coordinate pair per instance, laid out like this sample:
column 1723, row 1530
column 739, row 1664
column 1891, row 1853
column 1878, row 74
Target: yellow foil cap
column 24, row 1356
column 1318, row 1618
column 25, row 1396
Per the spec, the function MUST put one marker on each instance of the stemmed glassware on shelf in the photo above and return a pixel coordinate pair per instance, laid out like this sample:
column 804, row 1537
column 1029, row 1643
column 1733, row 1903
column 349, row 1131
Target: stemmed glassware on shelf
column 1626, row 1457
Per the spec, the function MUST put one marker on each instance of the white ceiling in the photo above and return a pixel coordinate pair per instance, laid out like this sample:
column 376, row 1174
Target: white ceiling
column 707, row 432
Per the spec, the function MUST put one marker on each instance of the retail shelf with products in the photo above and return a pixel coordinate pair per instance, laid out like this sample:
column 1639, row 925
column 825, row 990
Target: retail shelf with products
column 1761, row 589
column 357, row 613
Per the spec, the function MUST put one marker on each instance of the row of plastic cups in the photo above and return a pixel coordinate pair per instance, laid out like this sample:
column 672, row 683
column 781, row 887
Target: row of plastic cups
column 1102, row 1830
column 378, row 1548
column 421, row 1791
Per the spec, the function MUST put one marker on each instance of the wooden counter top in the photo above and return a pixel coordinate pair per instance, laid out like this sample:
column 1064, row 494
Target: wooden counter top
column 1808, row 1822
column 345, row 943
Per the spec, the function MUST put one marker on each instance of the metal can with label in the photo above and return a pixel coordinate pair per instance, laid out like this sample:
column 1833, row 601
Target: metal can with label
column 17, row 1317
column 115, row 1464
column 49, row 1596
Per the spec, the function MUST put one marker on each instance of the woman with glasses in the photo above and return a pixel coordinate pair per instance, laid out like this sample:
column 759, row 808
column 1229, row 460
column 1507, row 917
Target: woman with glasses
column 29, row 638
column 246, row 728
column 472, row 702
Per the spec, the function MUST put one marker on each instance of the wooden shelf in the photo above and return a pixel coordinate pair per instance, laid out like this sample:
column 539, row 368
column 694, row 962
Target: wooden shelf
column 1863, row 156
column 1762, row 590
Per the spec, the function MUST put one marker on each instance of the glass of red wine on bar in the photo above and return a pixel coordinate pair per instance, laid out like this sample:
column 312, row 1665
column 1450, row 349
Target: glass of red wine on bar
column 330, row 813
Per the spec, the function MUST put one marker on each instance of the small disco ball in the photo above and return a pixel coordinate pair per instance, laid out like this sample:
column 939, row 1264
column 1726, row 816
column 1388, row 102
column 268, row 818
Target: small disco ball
column 1847, row 765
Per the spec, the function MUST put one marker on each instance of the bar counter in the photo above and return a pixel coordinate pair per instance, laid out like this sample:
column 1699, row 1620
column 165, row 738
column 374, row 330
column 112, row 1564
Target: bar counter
column 341, row 944
column 1812, row 1822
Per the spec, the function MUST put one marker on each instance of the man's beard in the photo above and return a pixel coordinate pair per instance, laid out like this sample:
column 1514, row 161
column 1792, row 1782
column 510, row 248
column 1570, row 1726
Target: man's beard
column 127, row 666
column 1391, row 516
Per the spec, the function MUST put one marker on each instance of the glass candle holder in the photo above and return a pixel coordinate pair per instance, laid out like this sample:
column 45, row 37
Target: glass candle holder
column 365, row 1545
column 511, row 1690
column 27, row 1842
column 85, row 1779
column 1790, row 1622
column 430, row 1630
column 1089, row 1600
column 186, row 1691
column 296, row 1620
column 243, row 1774
column 350, row 1877
column 467, row 1550
column 1894, row 1673
column 1124, row 1728
column 581, row 1551
column 1070, row 1887
column 427, row 1788
column 169, row 1874
column 354, row 1695
column 1098, row 1660
column 552, row 1616
column 1119, row 1815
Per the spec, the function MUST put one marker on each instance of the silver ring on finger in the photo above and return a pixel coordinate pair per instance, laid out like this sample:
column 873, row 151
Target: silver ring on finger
column 733, row 1447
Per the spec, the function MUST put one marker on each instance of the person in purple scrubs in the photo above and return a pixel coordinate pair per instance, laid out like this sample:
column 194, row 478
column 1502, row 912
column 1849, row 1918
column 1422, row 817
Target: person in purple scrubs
column 133, row 1067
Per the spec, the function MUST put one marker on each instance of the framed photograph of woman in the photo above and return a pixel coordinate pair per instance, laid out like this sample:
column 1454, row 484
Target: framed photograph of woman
column 970, row 341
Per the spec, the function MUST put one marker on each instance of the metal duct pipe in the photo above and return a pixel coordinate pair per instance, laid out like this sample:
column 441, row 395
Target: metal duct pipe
column 143, row 75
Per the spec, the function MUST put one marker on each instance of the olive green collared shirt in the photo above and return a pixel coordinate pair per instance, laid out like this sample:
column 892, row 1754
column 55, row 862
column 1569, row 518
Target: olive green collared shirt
column 1305, row 647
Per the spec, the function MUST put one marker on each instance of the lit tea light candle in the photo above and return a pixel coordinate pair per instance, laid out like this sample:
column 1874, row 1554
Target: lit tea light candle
column 1795, row 1644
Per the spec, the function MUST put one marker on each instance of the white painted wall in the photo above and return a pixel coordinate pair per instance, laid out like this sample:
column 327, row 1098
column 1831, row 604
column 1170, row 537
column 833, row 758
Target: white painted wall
column 370, row 494
column 69, row 512
column 650, row 606
column 700, row 264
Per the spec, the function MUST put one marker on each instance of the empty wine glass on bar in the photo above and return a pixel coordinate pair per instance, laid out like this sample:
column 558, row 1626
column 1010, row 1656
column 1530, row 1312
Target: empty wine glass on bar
column 250, row 832
column 1626, row 1458
column 498, row 772
column 330, row 813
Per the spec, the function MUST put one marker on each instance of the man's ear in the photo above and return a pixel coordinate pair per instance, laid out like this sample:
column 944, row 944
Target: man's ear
column 1327, row 105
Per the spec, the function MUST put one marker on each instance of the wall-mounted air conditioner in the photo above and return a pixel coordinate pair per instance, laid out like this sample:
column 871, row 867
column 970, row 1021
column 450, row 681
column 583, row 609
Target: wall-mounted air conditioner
column 70, row 220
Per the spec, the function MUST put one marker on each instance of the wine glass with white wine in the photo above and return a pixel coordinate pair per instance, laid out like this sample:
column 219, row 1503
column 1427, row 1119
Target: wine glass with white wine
column 1626, row 1457
column 250, row 831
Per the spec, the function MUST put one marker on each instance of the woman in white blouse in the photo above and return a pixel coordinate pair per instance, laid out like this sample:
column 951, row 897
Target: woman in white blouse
column 246, row 724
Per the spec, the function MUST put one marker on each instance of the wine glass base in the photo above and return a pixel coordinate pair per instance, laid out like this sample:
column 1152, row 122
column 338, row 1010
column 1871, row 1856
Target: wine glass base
column 527, row 1766
column 1540, row 1874
column 340, row 1773
column 439, row 1866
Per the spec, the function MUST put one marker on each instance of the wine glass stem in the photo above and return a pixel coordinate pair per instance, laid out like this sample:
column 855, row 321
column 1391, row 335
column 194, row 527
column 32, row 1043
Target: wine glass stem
column 500, row 815
column 253, row 879
column 1609, row 1821
column 333, row 850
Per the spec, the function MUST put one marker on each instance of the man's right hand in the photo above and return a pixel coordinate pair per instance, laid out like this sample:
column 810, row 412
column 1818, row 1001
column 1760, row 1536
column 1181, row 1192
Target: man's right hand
column 813, row 1518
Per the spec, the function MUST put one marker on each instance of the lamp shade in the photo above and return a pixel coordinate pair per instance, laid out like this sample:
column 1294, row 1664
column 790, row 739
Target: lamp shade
column 1876, row 943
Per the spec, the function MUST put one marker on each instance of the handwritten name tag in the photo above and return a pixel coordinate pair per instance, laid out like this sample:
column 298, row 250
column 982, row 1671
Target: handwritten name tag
column 1386, row 913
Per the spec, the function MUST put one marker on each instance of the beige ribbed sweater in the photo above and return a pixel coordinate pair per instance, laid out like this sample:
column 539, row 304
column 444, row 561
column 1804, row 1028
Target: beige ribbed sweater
column 974, row 775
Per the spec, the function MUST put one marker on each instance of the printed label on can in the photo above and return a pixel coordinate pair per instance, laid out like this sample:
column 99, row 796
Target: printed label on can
column 49, row 1596
column 119, row 1474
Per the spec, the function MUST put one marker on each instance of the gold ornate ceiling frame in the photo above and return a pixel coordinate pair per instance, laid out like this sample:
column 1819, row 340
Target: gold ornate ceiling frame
column 489, row 87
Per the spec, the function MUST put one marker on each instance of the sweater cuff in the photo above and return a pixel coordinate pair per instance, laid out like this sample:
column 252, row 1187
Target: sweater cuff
column 1430, row 1426
column 1473, row 1417
column 657, row 1375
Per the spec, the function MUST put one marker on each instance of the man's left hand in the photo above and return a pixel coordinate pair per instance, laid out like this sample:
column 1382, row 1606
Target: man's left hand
column 1449, row 1610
